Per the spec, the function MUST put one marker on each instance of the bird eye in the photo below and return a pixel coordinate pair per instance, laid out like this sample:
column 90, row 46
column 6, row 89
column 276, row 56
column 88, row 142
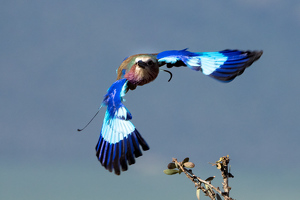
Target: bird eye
column 150, row 62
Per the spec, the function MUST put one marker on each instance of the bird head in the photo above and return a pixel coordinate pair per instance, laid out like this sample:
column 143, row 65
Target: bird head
column 145, row 61
column 139, row 69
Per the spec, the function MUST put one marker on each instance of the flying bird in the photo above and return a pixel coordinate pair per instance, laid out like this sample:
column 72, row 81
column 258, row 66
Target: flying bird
column 120, row 142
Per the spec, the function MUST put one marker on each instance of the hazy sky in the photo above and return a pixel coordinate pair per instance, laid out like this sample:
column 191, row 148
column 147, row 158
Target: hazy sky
column 58, row 58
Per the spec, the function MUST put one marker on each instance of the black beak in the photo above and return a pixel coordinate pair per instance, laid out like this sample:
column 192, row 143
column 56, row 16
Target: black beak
column 142, row 64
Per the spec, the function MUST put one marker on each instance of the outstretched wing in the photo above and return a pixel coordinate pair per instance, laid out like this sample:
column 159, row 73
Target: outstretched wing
column 119, row 140
column 221, row 65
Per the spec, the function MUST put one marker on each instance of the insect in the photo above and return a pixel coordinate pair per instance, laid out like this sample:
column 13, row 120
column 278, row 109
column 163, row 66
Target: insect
column 119, row 142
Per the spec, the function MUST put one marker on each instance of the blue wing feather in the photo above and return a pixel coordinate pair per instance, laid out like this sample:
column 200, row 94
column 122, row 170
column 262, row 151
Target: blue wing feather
column 119, row 140
column 222, row 65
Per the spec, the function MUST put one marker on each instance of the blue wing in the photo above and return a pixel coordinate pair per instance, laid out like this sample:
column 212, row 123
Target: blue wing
column 222, row 65
column 119, row 140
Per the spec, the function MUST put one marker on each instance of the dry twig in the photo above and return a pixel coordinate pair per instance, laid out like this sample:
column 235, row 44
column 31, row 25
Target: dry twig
column 204, row 185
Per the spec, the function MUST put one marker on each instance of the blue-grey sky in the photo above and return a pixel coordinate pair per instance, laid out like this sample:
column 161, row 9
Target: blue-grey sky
column 57, row 59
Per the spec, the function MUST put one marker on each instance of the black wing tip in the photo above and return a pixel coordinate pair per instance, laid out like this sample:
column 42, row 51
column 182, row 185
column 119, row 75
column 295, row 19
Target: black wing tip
column 255, row 55
column 252, row 55
column 108, row 154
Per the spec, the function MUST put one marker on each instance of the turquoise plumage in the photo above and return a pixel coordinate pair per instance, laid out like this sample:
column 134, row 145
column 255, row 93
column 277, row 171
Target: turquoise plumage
column 119, row 142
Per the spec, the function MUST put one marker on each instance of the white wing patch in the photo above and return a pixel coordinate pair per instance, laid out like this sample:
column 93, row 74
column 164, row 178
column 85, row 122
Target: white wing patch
column 123, row 113
column 212, row 61
column 116, row 129
column 170, row 59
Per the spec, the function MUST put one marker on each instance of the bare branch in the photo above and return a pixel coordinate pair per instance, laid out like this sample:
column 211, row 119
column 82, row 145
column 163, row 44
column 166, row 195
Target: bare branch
column 208, row 189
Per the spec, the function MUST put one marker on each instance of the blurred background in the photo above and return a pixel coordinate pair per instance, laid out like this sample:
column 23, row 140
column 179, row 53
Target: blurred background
column 58, row 58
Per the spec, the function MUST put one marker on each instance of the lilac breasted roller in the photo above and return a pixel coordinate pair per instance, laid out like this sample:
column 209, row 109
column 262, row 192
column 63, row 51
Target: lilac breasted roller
column 119, row 142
